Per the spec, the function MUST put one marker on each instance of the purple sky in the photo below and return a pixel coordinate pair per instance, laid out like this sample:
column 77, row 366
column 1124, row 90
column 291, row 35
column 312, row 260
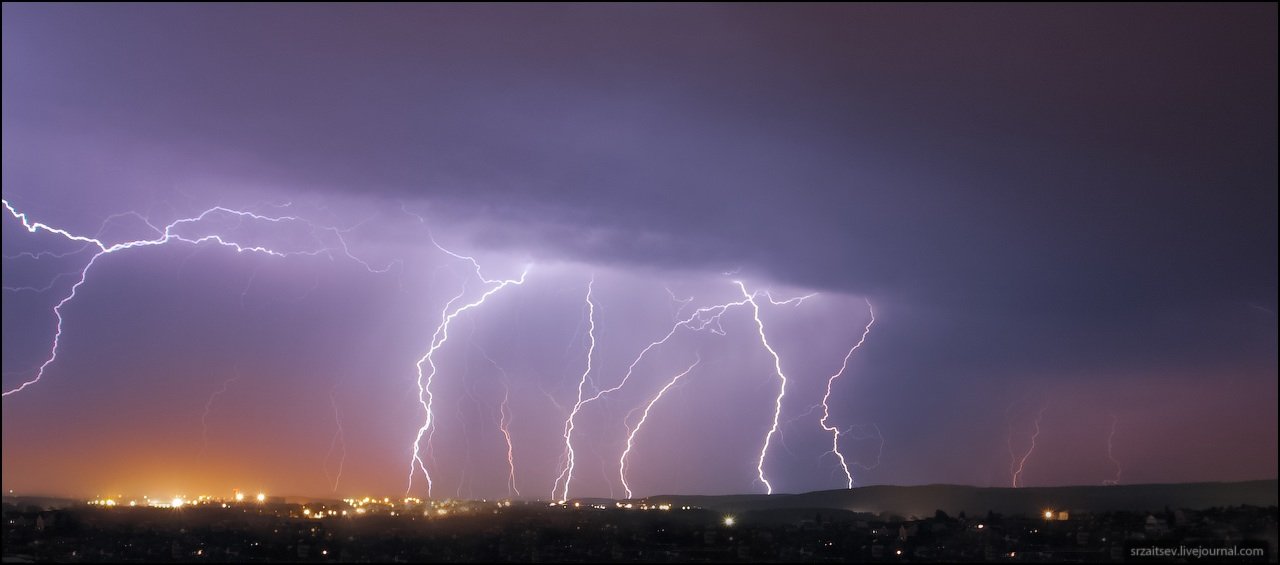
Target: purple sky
column 1067, row 208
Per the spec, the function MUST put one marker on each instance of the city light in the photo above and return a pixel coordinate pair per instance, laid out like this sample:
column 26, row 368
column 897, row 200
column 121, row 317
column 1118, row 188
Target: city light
column 262, row 497
column 1048, row 514
column 728, row 520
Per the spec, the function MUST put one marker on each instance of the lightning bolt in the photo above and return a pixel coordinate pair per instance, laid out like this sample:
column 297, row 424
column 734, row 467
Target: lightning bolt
column 1115, row 480
column 504, row 422
column 702, row 318
column 164, row 235
column 438, row 339
column 681, row 301
column 505, row 425
column 782, row 385
column 40, row 289
column 208, row 407
column 201, row 230
column 566, row 474
column 826, row 408
column 857, row 435
column 796, row 301
column 1022, row 462
column 631, row 435
column 339, row 438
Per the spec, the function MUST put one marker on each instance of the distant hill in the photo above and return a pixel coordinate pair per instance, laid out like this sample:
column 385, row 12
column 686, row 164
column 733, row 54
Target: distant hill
column 45, row 502
column 953, row 499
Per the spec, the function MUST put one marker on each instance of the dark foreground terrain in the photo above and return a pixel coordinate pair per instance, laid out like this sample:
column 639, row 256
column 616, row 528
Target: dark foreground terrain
column 656, row 529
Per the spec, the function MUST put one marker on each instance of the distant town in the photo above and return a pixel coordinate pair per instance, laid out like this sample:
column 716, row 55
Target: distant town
column 246, row 527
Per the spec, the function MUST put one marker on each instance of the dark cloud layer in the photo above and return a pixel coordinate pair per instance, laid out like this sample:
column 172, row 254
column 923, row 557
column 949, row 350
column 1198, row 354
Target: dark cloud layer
column 1045, row 198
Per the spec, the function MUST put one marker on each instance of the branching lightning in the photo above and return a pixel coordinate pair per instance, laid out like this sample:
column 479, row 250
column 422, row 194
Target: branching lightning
column 331, row 242
column 504, row 410
column 438, row 339
column 164, row 235
column 681, row 301
column 858, row 435
column 566, row 474
column 782, row 385
column 631, row 433
column 826, row 407
column 702, row 318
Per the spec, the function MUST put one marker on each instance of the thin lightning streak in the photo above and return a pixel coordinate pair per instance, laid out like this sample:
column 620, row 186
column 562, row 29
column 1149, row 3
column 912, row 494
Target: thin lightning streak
column 566, row 474
column 604, row 470
column 339, row 437
column 782, row 387
column 695, row 322
column 208, row 407
column 793, row 301
column 826, row 408
column 42, row 254
column 41, row 289
column 249, row 283
column 504, row 422
column 464, row 478
column 1023, row 462
column 164, row 235
column 879, row 452
column 505, row 425
column 1111, row 455
column 438, row 339
column 681, row 301
column 631, row 436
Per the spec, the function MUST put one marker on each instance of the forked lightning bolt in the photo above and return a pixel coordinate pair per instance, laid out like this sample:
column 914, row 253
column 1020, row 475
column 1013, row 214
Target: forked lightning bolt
column 438, row 339
column 826, row 408
column 504, row 411
column 164, row 235
column 566, row 474
column 700, row 319
column 631, row 434
column 782, row 384
column 334, row 245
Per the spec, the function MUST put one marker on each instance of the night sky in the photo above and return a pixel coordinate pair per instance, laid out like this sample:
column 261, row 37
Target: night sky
column 1065, row 211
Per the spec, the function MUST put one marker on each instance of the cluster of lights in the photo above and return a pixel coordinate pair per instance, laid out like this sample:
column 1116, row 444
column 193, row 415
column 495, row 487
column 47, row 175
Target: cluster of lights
column 175, row 502
column 372, row 505
column 321, row 513
column 620, row 505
